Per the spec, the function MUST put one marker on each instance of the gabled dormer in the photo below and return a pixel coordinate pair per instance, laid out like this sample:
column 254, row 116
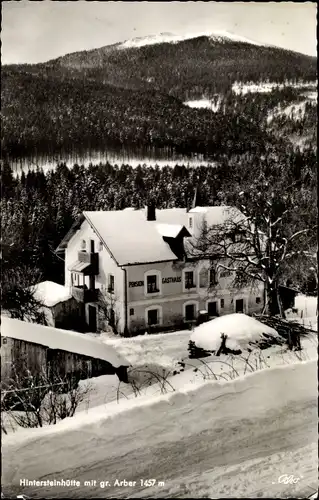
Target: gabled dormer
column 173, row 235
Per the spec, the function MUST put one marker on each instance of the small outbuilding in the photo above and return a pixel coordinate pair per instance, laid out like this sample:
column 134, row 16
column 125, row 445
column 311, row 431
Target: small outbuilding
column 61, row 310
column 37, row 349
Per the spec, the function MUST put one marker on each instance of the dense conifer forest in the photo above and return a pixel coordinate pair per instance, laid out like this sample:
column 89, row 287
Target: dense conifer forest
column 38, row 208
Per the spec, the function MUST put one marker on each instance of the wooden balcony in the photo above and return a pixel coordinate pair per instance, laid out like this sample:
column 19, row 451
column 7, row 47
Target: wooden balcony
column 92, row 259
column 84, row 295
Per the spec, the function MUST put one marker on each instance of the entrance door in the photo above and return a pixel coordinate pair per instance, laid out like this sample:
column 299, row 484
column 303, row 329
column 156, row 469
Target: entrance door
column 190, row 312
column 239, row 305
column 92, row 318
column 212, row 309
column 112, row 317
column 152, row 317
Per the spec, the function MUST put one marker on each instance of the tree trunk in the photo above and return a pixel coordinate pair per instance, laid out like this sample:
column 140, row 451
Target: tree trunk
column 274, row 302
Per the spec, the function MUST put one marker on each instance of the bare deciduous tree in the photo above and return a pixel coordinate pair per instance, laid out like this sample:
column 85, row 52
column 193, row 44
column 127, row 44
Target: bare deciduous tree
column 108, row 309
column 258, row 242
column 35, row 400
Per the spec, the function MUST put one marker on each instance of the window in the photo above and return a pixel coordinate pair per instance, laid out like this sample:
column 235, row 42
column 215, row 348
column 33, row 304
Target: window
column 212, row 277
column 190, row 222
column 212, row 309
column 222, row 303
column 258, row 300
column 92, row 246
column 189, row 279
column 190, row 312
column 131, row 311
column 83, row 245
column 152, row 317
column 100, row 246
column 152, row 284
column 111, row 283
column 203, row 278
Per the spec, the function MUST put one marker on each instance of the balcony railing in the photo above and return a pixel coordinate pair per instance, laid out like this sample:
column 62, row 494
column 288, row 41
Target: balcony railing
column 84, row 295
column 92, row 259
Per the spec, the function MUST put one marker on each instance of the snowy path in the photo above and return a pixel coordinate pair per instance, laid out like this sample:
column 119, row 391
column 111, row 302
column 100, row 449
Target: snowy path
column 219, row 440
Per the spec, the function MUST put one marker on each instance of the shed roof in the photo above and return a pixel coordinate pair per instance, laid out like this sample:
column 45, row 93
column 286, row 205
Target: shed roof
column 51, row 293
column 64, row 340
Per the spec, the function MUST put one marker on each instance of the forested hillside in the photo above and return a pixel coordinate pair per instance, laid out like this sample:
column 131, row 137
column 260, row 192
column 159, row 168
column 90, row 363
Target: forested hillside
column 111, row 97
column 43, row 114
column 190, row 68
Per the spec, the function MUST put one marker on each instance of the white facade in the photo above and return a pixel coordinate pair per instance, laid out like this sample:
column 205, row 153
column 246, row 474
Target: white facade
column 156, row 294
column 107, row 268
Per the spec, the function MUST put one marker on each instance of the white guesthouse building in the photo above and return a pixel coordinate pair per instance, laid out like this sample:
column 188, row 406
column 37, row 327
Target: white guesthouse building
column 137, row 262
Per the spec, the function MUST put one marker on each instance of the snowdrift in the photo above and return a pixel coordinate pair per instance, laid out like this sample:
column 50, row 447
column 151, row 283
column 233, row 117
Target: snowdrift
column 220, row 439
column 242, row 331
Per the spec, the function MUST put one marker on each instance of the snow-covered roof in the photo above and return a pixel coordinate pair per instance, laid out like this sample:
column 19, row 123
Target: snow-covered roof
column 64, row 340
column 218, row 215
column 169, row 230
column 50, row 293
column 239, row 328
column 132, row 239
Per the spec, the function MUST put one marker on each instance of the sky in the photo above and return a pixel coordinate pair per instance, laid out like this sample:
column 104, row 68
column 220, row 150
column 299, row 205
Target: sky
column 37, row 31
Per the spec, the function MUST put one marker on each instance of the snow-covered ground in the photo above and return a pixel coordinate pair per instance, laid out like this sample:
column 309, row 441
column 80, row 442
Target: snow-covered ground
column 97, row 157
column 155, row 373
column 313, row 96
column 155, row 358
column 240, row 438
column 217, row 428
column 211, row 104
column 294, row 111
column 245, row 88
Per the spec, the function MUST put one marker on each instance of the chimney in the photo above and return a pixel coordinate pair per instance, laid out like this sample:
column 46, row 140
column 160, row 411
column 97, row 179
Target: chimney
column 151, row 211
column 195, row 199
column 194, row 202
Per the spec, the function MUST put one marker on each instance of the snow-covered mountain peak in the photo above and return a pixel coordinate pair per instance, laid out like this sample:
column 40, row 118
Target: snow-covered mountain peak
column 220, row 36
column 225, row 35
